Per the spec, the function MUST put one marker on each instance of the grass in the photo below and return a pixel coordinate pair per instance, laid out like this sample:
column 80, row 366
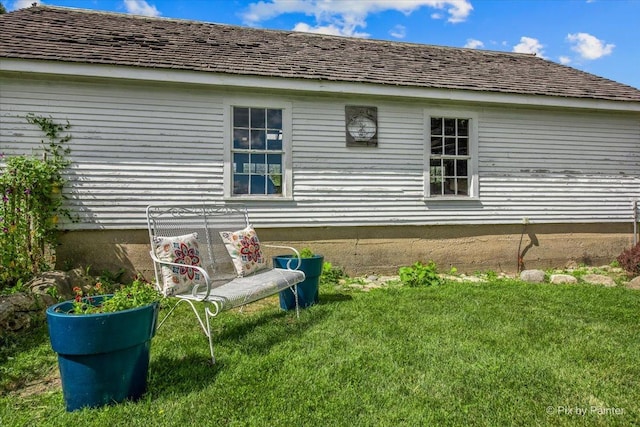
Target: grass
column 504, row 353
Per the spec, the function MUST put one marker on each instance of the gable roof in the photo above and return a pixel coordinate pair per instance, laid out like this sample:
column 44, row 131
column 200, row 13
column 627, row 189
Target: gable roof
column 82, row 36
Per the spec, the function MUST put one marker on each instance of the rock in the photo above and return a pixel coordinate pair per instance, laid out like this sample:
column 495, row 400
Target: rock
column 571, row 265
column 598, row 279
column 63, row 281
column 16, row 311
column 634, row 283
column 558, row 279
column 532, row 276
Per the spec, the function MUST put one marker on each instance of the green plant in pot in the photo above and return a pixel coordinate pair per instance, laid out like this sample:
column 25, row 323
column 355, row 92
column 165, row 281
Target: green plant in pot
column 311, row 264
column 103, row 343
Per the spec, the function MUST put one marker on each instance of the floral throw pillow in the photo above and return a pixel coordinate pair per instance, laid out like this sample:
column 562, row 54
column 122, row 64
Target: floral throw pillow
column 181, row 250
column 244, row 248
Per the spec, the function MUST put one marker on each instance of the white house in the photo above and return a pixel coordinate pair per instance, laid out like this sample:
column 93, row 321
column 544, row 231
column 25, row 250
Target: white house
column 376, row 153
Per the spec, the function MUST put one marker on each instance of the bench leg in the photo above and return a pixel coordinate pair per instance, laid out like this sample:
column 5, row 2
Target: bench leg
column 208, row 314
column 294, row 289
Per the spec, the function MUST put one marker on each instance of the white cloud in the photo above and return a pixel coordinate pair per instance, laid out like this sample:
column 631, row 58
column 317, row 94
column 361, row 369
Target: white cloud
column 21, row 4
column 564, row 60
column 330, row 29
column 474, row 44
column 588, row 46
column 529, row 45
column 346, row 17
column 140, row 7
column 399, row 32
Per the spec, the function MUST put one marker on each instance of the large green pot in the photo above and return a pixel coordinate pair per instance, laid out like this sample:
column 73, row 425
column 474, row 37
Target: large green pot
column 308, row 289
column 103, row 358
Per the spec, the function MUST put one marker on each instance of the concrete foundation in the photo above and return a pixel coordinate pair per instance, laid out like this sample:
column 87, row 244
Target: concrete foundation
column 381, row 250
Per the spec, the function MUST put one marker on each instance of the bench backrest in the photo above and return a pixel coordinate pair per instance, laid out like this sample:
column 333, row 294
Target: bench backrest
column 207, row 220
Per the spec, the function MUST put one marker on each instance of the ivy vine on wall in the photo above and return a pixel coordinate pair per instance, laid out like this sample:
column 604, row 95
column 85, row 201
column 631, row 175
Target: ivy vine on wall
column 32, row 203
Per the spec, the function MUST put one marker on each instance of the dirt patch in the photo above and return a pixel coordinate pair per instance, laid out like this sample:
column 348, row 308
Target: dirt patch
column 50, row 382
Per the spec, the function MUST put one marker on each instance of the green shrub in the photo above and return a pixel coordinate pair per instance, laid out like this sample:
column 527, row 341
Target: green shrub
column 32, row 204
column 420, row 274
column 330, row 274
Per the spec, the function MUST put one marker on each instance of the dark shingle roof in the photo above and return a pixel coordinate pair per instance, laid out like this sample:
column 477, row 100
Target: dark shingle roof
column 73, row 35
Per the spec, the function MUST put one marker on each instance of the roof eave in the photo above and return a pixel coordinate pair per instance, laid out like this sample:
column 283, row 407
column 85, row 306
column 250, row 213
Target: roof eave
column 179, row 76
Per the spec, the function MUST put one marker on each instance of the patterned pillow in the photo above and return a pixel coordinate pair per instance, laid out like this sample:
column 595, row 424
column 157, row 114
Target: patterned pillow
column 182, row 250
column 244, row 248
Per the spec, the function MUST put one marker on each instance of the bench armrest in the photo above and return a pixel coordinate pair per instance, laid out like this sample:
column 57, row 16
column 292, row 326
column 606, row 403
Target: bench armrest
column 196, row 287
column 294, row 250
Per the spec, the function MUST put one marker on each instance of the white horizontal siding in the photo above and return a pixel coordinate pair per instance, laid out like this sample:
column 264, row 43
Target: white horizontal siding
column 138, row 144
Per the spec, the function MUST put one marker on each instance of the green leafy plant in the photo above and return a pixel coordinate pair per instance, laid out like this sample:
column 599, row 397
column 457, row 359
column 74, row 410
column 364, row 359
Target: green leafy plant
column 136, row 294
column 420, row 274
column 32, row 203
column 629, row 260
column 330, row 274
column 306, row 253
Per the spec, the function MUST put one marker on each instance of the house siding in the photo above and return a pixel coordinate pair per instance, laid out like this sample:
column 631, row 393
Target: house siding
column 135, row 144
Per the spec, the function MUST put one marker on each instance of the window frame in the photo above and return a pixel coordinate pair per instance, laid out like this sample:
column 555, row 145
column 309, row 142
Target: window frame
column 287, row 179
column 472, row 165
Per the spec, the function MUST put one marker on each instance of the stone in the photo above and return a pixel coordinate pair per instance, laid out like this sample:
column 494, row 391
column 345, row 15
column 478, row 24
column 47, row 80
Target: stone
column 532, row 276
column 558, row 279
column 598, row 279
column 634, row 283
column 16, row 311
column 63, row 281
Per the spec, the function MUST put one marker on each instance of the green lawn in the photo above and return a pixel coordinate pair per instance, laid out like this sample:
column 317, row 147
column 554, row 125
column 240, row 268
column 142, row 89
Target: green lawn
column 497, row 354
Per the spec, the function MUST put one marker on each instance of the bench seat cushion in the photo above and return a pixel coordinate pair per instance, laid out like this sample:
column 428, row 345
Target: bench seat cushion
column 243, row 290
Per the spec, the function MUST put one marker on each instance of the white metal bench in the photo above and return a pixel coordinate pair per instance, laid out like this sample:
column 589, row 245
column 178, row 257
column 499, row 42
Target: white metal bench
column 194, row 259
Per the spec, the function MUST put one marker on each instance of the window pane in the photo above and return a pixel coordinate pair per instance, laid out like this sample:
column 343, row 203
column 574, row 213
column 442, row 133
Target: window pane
column 240, row 117
column 274, row 139
column 449, row 167
column 274, row 119
column 463, row 146
column 435, row 177
column 449, row 186
column 258, row 139
column 258, row 163
column 258, row 184
column 275, row 163
column 450, row 127
column 258, row 118
column 240, row 184
column 450, row 146
column 461, row 168
column 436, row 188
column 275, row 186
column 240, row 163
column 436, row 146
column 463, row 127
column 463, row 186
column 241, row 138
column 436, row 126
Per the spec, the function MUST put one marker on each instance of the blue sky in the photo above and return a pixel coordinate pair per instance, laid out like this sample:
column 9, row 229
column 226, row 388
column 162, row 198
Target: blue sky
column 597, row 36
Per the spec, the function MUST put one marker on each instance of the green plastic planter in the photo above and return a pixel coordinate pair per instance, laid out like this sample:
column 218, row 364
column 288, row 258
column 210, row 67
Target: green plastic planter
column 103, row 358
column 308, row 289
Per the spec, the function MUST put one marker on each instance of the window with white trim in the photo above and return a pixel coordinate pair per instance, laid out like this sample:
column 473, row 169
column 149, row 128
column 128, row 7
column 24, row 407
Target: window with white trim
column 257, row 151
column 450, row 156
